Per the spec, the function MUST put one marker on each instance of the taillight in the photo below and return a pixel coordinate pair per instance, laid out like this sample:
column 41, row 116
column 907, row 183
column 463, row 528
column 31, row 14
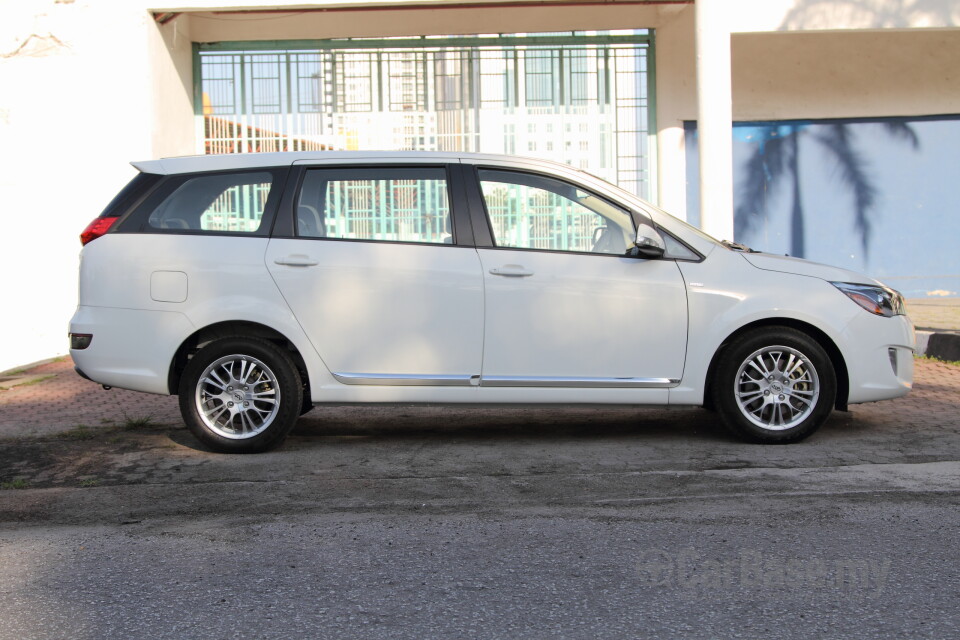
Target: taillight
column 96, row 229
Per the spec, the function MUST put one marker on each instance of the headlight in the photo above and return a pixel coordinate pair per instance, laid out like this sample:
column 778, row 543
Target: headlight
column 880, row 301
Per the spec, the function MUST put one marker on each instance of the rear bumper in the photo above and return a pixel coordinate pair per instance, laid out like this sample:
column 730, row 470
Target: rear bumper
column 119, row 355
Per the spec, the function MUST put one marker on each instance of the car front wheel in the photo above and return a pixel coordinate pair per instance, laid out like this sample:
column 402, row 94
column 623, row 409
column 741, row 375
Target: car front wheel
column 774, row 385
column 240, row 395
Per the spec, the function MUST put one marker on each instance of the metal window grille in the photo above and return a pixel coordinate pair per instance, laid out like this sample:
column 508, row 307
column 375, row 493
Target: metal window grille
column 531, row 218
column 239, row 208
column 588, row 97
column 397, row 210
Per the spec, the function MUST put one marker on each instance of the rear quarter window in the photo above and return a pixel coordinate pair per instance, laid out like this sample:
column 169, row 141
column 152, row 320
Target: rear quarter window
column 241, row 203
column 125, row 200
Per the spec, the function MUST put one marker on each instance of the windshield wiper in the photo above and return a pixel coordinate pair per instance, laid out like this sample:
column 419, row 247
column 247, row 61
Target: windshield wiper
column 736, row 246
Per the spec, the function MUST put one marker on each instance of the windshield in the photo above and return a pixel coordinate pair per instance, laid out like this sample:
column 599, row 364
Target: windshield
column 647, row 207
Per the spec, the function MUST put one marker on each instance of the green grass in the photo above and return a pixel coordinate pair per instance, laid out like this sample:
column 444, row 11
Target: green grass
column 79, row 432
column 89, row 482
column 19, row 483
column 35, row 381
column 137, row 422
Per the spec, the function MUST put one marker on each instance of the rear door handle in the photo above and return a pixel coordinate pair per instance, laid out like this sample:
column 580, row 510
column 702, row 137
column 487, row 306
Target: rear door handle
column 511, row 271
column 297, row 260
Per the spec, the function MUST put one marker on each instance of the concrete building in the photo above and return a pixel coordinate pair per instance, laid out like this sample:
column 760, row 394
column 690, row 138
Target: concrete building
column 825, row 128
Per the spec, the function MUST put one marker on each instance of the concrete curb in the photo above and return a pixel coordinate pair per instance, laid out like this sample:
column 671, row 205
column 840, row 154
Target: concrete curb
column 943, row 346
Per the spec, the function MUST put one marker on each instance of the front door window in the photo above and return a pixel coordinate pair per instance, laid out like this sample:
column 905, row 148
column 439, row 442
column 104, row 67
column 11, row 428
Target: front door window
column 529, row 211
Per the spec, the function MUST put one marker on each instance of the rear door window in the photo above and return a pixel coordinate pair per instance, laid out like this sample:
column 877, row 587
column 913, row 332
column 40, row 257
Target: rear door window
column 388, row 204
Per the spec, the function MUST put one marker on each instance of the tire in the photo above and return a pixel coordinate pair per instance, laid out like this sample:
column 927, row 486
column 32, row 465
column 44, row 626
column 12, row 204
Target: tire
column 240, row 395
column 774, row 385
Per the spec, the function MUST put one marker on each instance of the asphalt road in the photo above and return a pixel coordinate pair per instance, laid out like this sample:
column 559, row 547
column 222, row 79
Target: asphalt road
column 492, row 523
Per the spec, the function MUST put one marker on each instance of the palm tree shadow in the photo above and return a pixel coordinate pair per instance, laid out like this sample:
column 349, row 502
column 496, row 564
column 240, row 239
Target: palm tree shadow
column 776, row 160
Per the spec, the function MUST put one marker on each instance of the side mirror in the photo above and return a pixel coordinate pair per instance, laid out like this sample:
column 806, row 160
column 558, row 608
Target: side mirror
column 649, row 244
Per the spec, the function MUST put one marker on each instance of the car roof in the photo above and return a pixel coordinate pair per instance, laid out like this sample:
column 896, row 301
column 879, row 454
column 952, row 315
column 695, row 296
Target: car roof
column 226, row 162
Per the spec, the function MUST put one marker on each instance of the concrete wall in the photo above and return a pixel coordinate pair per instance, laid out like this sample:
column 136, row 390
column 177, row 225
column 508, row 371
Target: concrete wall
column 89, row 85
column 172, row 124
column 86, row 88
column 797, row 75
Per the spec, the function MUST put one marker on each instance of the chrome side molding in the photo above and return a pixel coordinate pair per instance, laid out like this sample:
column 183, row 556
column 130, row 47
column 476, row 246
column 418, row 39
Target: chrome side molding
column 577, row 383
column 405, row 380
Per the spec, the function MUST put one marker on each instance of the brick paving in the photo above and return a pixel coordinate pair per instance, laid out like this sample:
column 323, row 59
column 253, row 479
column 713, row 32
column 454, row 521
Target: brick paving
column 59, row 400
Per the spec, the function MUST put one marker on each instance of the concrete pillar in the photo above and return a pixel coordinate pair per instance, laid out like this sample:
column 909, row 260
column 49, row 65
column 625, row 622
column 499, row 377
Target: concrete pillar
column 715, row 118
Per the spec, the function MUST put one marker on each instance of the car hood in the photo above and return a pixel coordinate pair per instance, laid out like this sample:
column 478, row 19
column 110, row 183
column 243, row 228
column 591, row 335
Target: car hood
column 786, row 264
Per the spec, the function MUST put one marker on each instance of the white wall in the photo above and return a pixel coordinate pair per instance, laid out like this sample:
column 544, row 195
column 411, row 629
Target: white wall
column 172, row 124
column 77, row 80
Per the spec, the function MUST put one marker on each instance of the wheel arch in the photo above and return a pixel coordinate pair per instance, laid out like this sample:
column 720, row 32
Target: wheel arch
column 233, row 329
column 833, row 352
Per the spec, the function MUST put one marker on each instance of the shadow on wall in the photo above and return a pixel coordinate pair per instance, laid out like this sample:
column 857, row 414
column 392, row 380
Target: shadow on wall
column 874, row 195
column 776, row 161
column 875, row 14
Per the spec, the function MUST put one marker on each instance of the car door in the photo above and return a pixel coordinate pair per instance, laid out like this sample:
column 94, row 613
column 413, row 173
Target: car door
column 565, row 304
column 376, row 278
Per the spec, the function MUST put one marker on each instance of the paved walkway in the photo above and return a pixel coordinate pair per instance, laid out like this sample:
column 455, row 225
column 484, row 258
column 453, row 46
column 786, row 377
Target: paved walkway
column 60, row 401
column 54, row 399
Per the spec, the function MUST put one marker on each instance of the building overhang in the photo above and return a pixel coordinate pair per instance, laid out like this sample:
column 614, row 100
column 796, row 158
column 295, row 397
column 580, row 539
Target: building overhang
column 745, row 16
column 265, row 6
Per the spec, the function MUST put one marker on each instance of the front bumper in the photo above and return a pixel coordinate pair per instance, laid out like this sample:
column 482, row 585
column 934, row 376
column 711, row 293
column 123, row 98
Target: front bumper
column 879, row 357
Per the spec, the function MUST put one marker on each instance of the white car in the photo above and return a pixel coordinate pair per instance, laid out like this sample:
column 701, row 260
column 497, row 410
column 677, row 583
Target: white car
column 256, row 286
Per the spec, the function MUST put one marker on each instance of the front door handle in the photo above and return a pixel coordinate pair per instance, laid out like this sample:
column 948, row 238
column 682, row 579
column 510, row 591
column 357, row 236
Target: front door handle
column 511, row 271
column 297, row 260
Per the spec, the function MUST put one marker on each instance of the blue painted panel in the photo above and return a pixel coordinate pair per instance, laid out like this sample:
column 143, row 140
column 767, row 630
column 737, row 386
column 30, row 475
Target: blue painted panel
column 878, row 196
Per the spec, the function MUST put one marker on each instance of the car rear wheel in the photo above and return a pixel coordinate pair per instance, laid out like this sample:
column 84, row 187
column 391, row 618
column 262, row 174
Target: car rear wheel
column 240, row 395
column 774, row 385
